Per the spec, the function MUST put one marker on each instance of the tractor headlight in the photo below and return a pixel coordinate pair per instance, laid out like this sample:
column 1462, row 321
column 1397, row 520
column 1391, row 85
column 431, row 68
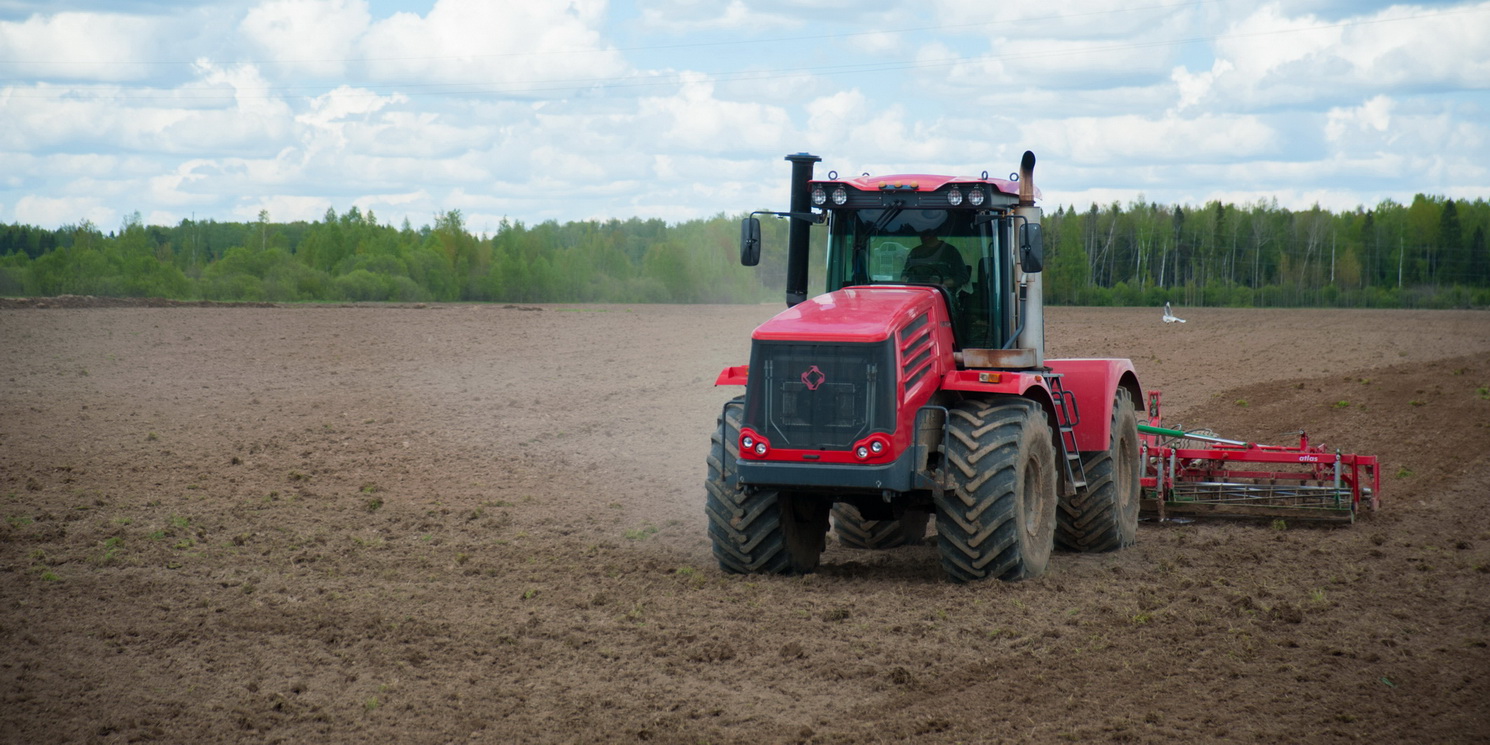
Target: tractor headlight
column 975, row 197
column 819, row 196
column 954, row 196
column 840, row 196
column 752, row 445
column 873, row 447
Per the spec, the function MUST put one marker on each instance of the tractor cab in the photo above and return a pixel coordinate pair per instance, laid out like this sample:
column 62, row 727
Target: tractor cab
column 966, row 259
column 976, row 241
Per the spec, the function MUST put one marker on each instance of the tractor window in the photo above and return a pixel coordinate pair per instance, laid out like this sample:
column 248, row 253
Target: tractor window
column 928, row 247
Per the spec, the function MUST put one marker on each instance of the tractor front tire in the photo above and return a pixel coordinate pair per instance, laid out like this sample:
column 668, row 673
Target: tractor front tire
column 1103, row 516
column 856, row 532
column 996, row 511
column 760, row 531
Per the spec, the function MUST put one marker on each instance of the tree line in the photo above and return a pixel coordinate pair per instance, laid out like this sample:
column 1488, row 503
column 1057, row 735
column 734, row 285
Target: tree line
column 351, row 257
column 1431, row 253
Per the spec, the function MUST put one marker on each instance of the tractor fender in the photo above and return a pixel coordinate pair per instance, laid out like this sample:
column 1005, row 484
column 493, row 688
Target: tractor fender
column 1094, row 383
column 1030, row 384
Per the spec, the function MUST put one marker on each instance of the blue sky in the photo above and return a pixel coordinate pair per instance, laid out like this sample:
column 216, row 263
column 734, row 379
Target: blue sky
column 679, row 109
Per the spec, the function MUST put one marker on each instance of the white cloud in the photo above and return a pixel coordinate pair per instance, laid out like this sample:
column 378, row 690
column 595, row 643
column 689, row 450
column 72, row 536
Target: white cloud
column 1373, row 116
column 181, row 187
column 767, row 87
column 1195, row 87
column 878, row 42
column 1441, row 45
column 517, row 49
column 1271, row 59
column 695, row 119
column 70, row 117
column 344, row 102
column 1090, row 18
column 833, row 118
column 80, row 46
column 692, row 16
column 1078, row 64
column 285, row 208
column 314, row 37
column 415, row 134
column 57, row 211
column 1146, row 139
column 331, row 115
column 854, row 134
column 1410, row 144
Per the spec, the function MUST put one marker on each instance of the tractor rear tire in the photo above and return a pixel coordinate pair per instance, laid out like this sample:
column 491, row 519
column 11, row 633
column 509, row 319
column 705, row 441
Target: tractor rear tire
column 996, row 512
column 1103, row 516
column 760, row 531
column 856, row 532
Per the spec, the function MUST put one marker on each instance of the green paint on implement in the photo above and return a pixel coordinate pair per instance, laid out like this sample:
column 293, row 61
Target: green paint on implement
column 1151, row 430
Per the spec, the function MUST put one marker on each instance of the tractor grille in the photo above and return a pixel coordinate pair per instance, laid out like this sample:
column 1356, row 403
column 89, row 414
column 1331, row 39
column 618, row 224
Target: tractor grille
column 820, row 396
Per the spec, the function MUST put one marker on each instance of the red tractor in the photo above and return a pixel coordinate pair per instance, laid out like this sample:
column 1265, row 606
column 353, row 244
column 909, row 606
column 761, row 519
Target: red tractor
column 917, row 385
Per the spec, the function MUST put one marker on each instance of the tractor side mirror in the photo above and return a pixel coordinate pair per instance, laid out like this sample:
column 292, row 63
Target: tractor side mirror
column 750, row 241
column 1031, row 248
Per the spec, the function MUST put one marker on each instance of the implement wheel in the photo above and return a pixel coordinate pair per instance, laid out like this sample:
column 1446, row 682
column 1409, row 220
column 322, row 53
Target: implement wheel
column 761, row 531
column 996, row 515
column 1103, row 516
column 856, row 532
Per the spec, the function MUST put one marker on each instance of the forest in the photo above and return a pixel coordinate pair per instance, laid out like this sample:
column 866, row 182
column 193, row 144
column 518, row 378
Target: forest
column 1431, row 253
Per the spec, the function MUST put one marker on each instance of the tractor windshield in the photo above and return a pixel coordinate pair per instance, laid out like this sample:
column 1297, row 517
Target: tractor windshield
column 928, row 247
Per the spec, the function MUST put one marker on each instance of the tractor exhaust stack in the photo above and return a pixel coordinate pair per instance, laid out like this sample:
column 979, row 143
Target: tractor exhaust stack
column 799, row 234
column 1033, row 334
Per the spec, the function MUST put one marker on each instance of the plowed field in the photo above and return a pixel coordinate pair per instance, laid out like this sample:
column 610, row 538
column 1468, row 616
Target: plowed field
column 485, row 524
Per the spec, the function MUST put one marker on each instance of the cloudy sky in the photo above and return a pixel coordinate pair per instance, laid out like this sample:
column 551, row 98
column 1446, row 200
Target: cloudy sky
column 677, row 109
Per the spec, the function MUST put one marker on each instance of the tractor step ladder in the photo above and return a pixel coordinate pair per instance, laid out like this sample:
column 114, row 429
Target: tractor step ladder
column 1067, row 416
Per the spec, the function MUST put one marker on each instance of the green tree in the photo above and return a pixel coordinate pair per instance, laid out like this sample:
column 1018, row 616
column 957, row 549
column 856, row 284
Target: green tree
column 1479, row 259
column 1456, row 262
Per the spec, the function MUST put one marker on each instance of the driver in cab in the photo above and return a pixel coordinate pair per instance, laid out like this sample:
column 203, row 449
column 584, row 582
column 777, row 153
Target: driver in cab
column 935, row 261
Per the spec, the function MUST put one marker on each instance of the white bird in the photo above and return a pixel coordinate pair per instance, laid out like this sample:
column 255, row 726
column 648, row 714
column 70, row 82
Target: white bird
column 1169, row 317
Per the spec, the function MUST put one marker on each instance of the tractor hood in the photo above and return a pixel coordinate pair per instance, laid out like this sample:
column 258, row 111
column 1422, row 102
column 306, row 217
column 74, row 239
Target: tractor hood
column 853, row 314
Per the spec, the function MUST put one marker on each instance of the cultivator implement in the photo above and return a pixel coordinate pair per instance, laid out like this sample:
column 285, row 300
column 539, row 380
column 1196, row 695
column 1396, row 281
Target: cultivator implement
column 1198, row 474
